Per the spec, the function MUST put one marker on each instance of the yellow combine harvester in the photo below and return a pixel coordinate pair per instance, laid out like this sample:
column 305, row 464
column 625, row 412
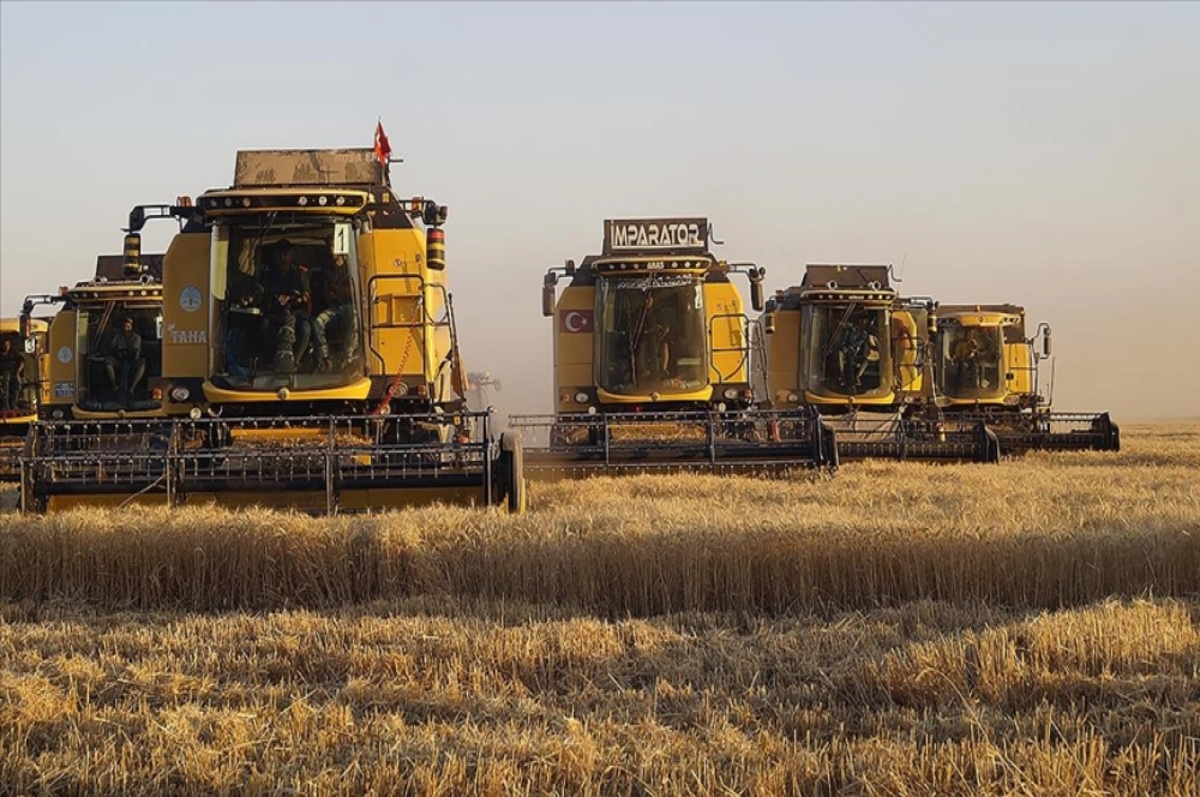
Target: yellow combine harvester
column 22, row 362
column 987, row 371
column 652, row 362
column 309, row 357
column 845, row 343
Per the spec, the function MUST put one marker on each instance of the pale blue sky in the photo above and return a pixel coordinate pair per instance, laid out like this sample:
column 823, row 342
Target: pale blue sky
column 1047, row 155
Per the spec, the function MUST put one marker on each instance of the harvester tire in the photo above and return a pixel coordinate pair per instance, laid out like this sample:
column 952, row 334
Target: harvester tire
column 512, row 471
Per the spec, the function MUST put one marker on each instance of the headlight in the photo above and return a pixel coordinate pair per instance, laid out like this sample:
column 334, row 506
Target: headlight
column 581, row 397
column 194, row 413
column 792, row 397
column 721, row 407
column 730, row 393
column 179, row 394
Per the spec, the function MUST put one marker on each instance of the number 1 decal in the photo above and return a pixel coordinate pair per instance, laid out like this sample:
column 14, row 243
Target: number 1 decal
column 341, row 239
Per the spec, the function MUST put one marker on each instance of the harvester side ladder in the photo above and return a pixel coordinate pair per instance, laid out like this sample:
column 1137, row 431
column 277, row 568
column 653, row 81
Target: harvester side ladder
column 421, row 318
column 744, row 349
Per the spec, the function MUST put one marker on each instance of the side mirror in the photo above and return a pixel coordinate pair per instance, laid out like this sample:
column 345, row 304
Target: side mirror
column 548, row 295
column 1046, row 343
column 133, row 254
column 496, row 385
column 769, row 322
column 756, row 289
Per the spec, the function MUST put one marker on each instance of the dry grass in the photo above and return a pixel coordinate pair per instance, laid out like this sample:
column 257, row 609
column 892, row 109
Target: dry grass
column 426, row 697
column 900, row 629
column 1046, row 532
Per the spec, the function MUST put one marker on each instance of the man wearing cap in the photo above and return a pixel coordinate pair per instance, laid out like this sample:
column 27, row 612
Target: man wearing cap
column 287, row 292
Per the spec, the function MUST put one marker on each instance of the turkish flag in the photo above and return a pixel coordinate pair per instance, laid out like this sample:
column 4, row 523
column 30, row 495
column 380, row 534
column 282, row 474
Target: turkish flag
column 383, row 149
column 577, row 321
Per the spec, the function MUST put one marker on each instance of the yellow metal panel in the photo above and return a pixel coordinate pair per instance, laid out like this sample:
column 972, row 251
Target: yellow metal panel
column 905, row 342
column 186, row 340
column 60, row 365
column 723, row 308
column 783, row 358
column 1019, row 362
column 85, row 415
column 401, row 303
column 573, row 351
column 353, row 392
column 861, row 401
column 702, row 395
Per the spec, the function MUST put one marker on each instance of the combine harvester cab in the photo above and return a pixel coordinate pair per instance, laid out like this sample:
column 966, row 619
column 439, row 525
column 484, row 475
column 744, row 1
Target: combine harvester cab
column 843, row 343
column 22, row 364
column 104, row 345
column 987, row 371
column 310, row 356
column 652, row 364
column 102, row 366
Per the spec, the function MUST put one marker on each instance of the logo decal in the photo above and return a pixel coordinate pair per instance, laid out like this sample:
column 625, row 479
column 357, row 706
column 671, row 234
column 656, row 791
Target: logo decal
column 190, row 299
column 645, row 235
column 187, row 336
column 65, row 354
column 577, row 321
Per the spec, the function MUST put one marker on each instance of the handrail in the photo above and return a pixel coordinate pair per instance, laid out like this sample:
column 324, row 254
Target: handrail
column 714, row 349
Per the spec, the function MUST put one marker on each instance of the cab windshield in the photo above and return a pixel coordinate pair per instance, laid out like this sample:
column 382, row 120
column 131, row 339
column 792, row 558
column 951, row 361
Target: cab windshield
column 286, row 304
column 846, row 351
column 119, row 350
column 970, row 362
column 652, row 336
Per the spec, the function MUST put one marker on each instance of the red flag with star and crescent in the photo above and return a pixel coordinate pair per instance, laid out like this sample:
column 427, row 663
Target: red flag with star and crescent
column 383, row 150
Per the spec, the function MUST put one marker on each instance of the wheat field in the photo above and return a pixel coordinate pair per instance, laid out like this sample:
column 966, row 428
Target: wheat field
column 1027, row 628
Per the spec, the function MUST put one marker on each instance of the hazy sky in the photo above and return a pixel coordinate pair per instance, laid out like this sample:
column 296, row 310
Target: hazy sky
column 1047, row 155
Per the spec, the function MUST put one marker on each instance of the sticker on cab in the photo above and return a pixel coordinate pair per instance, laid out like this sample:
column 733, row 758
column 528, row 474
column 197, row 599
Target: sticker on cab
column 190, row 299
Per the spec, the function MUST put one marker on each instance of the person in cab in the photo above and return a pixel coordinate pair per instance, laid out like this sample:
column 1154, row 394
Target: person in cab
column 125, row 364
column 12, row 369
column 338, row 295
column 287, row 291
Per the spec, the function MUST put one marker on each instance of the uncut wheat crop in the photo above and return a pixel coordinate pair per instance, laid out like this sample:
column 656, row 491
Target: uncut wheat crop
column 1027, row 628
